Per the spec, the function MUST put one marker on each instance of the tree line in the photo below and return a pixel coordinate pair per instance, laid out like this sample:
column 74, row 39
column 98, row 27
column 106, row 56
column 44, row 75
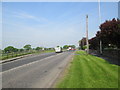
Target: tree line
column 27, row 47
column 67, row 46
column 109, row 35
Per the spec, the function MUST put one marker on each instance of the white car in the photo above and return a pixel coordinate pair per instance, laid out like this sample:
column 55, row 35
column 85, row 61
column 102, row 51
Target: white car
column 58, row 49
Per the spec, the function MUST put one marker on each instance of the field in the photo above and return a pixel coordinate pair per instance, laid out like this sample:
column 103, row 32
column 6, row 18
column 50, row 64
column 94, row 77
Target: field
column 87, row 71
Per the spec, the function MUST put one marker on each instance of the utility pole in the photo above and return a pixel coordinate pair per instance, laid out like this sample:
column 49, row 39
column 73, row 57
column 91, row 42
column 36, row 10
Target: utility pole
column 100, row 23
column 100, row 47
column 87, row 34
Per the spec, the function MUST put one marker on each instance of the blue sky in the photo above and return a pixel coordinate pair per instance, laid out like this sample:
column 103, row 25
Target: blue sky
column 49, row 24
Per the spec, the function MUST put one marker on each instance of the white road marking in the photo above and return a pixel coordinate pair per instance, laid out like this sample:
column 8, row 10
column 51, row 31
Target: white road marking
column 30, row 63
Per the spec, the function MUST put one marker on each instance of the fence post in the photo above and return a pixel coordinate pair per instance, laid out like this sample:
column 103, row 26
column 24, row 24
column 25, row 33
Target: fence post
column 16, row 54
column 7, row 55
column 12, row 54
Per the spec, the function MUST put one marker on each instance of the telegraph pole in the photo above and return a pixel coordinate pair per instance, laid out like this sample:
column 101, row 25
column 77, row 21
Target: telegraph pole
column 100, row 47
column 100, row 23
column 87, row 34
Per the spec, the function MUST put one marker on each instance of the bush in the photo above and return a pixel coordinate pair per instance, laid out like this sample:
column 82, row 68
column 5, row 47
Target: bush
column 84, row 47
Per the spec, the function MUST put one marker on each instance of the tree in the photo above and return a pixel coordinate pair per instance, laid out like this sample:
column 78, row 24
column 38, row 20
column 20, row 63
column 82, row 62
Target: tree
column 0, row 51
column 27, row 47
column 51, row 48
column 82, row 42
column 73, row 46
column 65, row 46
column 10, row 49
column 15, row 50
column 21, row 50
column 94, row 43
column 38, row 48
column 110, row 33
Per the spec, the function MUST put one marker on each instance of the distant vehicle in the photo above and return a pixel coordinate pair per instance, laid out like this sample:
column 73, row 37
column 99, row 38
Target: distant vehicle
column 71, row 49
column 58, row 49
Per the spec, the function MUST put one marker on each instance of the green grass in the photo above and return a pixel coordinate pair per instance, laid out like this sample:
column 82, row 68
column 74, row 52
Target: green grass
column 47, row 51
column 87, row 71
column 4, row 57
column 0, row 57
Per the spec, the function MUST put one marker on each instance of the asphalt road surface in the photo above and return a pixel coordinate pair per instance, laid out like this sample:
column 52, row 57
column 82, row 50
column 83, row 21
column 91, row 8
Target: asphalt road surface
column 25, row 60
column 39, row 71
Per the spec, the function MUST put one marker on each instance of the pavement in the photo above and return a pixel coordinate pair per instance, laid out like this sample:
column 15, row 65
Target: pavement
column 108, row 59
column 39, row 71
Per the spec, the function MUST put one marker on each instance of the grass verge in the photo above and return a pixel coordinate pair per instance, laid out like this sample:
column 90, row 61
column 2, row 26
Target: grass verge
column 4, row 57
column 87, row 71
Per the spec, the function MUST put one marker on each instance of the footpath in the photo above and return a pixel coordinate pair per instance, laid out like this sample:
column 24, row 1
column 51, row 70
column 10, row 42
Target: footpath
column 110, row 60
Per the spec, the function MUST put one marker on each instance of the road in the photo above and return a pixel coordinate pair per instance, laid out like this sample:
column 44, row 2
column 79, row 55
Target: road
column 25, row 60
column 39, row 71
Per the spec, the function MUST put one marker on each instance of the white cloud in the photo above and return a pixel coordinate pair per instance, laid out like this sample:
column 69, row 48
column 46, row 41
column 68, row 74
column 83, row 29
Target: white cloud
column 49, row 35
column 25, row 15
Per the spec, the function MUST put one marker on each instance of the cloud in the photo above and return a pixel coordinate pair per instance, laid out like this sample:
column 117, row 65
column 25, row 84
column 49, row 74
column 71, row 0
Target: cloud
column 25, row 15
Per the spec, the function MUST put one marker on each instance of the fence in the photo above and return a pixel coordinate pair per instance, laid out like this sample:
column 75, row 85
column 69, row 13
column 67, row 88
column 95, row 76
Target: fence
column 110, row 53
column 114, row 54
column 19, row 53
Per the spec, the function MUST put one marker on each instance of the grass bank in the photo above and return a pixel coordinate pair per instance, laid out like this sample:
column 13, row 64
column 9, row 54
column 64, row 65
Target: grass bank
column 87, row 71
column 13, row 55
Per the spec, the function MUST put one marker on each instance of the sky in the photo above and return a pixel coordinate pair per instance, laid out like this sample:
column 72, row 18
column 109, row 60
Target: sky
column 49, row 24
